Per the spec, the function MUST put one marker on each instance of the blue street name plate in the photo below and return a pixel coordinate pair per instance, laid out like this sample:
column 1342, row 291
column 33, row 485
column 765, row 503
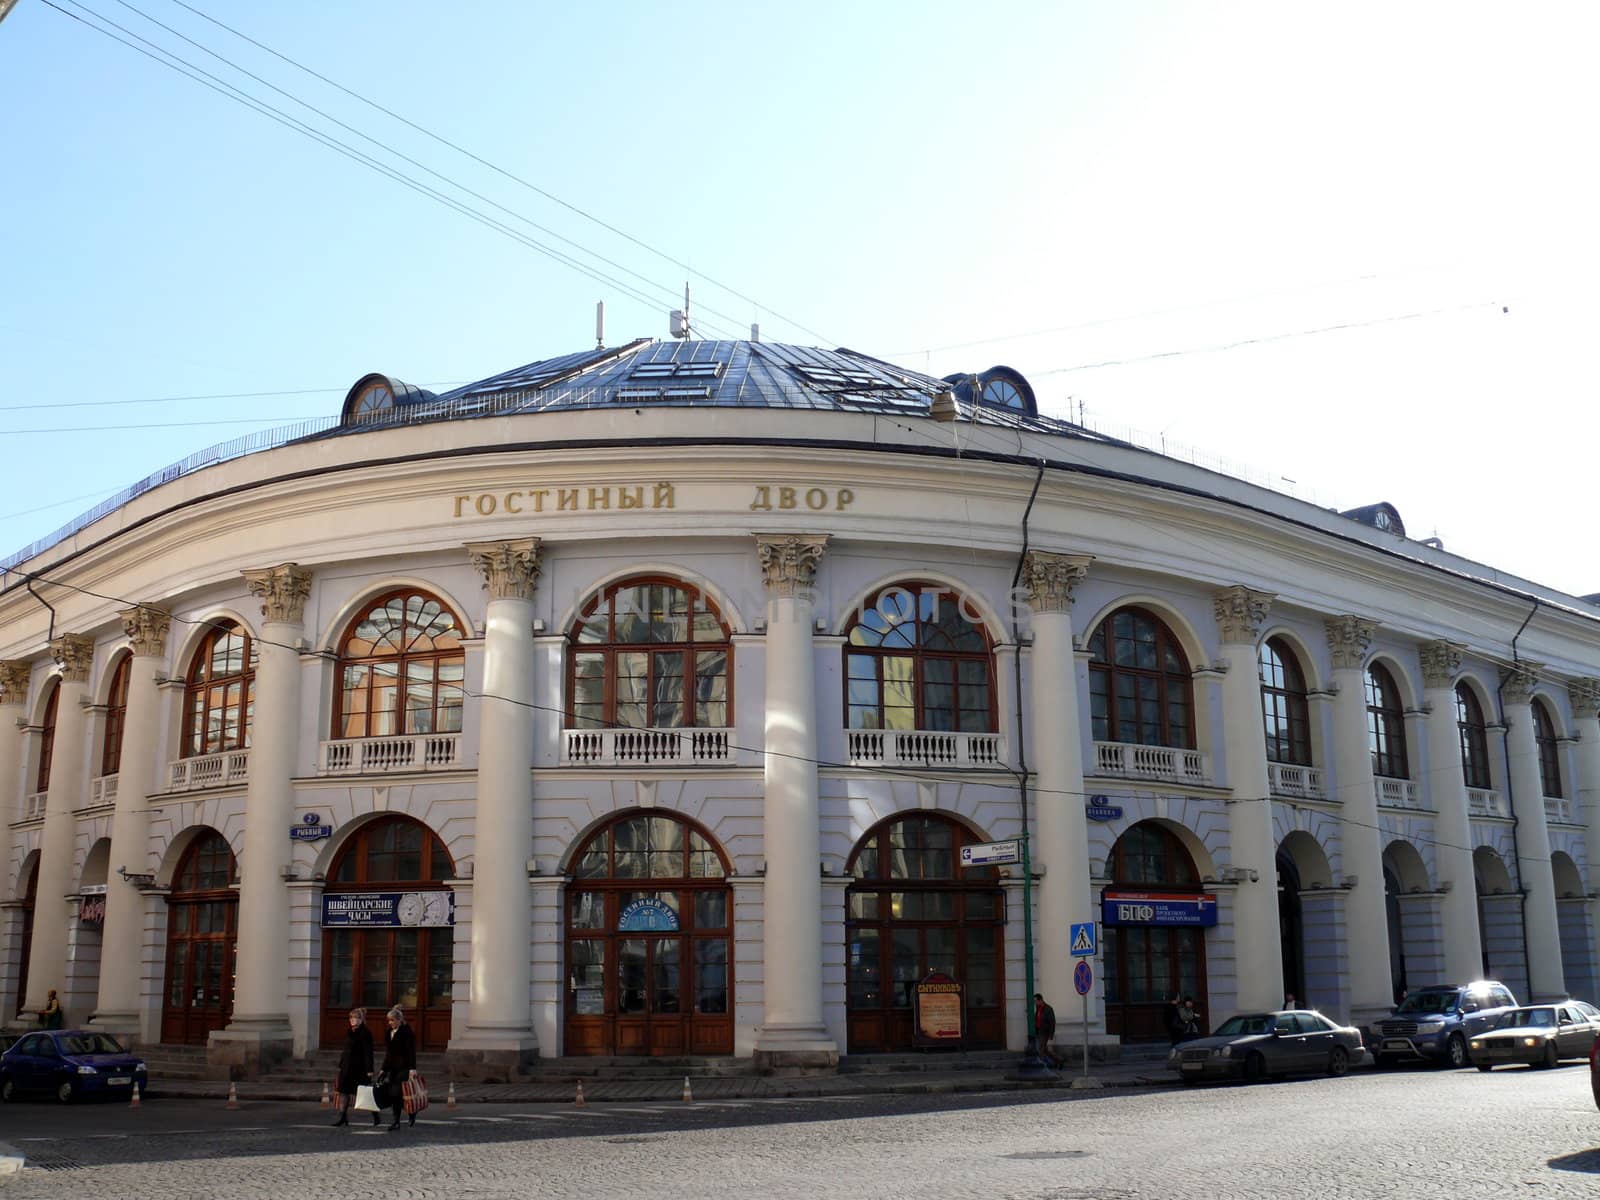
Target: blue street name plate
column 1148, row 908
column 1100, row 808
column 310, row 833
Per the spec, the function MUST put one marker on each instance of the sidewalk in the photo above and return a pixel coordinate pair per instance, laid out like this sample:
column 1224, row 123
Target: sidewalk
column 731, row 1087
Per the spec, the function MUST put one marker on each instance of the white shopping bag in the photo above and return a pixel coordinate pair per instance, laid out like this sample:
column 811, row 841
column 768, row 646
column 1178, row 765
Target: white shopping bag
column 365, row 1100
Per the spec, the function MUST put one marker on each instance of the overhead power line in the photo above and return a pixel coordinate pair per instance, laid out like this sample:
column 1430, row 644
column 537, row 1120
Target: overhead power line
column 517, row 179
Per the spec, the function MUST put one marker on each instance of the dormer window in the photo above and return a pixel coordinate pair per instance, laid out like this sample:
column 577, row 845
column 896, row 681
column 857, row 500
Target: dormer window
column 375, row 397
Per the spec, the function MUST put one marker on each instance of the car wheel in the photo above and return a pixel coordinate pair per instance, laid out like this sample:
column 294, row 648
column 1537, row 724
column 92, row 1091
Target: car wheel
column 8, row 1090
column 1456, row 1051
column 66, row 1091
column 1338, row 1061
column 1551, row 1057
column 1255, row 1069
column 1485, row 1067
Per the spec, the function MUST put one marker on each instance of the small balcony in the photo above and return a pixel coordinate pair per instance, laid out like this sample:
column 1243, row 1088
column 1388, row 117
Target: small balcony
column 1558, row 810
column 1294, row 782
column 374, row 756
column 918, row 748
column 1127, row 760
column 103, row 790
column 1396, row 793
column 227, row 769
column 647, row 747
column 1486, row 802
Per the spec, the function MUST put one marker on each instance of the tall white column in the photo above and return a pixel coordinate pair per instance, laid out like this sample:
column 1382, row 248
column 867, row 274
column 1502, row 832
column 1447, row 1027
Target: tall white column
column 14, row 677
column 123, row 944
column 1258, row 944
column 1055, row 746
column 792, row 1033
column 500, row 1034
column 1546, row 981
column 1360, row 840
column 1585, row 695
column 1447, row 789
column 259, row 1033
column 47, row 963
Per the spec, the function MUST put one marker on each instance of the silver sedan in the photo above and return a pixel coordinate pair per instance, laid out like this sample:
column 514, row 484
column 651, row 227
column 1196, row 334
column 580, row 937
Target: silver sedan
column 1540, row 1035
column 1256, row 1046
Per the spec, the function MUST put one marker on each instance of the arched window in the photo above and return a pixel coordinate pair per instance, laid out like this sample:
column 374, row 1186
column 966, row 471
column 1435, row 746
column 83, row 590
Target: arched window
column 401, row 669
column 47, row 738
column 202, row 933
column 1386, row 725
column 1145, row 964
column 649, row 940
column 411, row 960
column 1544, row 736
column 116, row 717
column 916, row 659
column 913, row 908
column 1474, row 738
column 219, row 695
column 649, row 654
column 1283, row 705
column 1139, row 688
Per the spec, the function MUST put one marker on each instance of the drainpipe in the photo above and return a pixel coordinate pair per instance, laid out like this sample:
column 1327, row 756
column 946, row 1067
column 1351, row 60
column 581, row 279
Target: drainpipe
column 27, row 582
column 1505, row 750
column 1033, row 1066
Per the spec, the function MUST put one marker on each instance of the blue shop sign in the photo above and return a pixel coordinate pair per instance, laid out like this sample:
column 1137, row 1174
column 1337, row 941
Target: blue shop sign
column 1153, row 908
column 1101, row 809
column 388, row 910
column 647, row 915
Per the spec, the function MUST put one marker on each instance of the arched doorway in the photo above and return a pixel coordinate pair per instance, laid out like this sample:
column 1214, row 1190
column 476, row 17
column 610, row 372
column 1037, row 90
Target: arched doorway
column 30, row 897
column 388, row 933
column 1155, row 917
column 1397, row 937
column 1291, row 928
column 911, row 909
column 202, row 931
column 649, row 941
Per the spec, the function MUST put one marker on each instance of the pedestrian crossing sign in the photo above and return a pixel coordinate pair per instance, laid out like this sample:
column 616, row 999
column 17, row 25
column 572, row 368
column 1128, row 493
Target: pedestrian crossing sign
column 1083, row 939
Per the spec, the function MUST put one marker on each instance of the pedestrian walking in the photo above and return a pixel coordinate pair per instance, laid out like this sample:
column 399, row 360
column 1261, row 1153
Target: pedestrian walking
column 1044, row 1028
column 1289, row 1000
column 355, row 1064
column 1172, row 1019
column 1190, row 1016
column 51, row 1016
column 399, row 1062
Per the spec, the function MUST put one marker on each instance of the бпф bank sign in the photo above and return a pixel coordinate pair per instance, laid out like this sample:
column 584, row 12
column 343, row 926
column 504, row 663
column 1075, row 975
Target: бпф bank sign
column 1159, row 908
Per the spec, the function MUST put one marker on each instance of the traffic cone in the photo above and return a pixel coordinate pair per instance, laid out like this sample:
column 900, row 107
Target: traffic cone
column 133, row 1096
column 450, row 1100
column 688, row 1095
column 233, row 1095
column 327, row 1100
column 578, row 1099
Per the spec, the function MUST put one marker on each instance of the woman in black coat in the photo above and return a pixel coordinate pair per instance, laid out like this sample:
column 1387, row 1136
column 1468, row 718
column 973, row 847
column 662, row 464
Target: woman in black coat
column 399, row 1061
column 355, row 1063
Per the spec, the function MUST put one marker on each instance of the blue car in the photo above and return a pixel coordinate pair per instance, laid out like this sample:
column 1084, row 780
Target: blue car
column 69, row 1063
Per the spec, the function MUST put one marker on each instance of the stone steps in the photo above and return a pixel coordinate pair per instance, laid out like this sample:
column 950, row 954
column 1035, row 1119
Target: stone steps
column 898, row 1064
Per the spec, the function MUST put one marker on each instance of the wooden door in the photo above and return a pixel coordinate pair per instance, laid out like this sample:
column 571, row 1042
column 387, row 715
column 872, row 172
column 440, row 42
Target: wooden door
column 202, row 959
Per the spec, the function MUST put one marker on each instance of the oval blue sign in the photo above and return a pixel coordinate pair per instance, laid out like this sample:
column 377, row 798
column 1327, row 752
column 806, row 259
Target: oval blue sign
column 647, row 915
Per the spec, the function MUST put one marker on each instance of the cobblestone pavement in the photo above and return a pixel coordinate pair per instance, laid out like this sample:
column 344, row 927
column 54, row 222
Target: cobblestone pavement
column 1415, row 1134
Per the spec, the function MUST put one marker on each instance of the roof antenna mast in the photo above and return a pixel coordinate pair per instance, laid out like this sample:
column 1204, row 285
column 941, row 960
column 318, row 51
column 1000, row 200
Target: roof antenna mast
column 600, row 325
column 680, row 316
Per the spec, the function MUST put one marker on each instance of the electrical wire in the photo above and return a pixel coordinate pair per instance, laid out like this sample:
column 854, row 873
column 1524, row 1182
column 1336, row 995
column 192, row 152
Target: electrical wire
column 210, row 396
column 501, row 171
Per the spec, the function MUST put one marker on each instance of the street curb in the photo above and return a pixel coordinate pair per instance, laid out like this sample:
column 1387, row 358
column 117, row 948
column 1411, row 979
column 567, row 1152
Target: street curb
column 11, row 1159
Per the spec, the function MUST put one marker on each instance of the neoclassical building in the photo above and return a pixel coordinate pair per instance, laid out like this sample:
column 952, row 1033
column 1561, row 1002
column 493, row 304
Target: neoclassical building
column 644, row 701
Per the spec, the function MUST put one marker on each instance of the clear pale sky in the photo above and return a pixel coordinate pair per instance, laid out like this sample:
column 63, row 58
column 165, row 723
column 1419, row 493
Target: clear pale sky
column 1386, row 212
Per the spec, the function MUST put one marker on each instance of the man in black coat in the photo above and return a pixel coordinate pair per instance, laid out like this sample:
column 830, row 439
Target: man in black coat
column 399, row 1062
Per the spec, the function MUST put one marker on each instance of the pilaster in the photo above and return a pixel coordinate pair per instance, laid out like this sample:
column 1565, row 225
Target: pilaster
column 1546, row 979
column 1585, row 697
column 1447, row 792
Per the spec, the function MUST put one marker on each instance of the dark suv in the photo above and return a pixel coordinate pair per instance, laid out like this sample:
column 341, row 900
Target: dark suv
column 1434, row 1023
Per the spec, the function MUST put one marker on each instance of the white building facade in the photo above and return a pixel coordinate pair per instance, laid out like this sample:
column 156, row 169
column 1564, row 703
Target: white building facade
column 641, row 703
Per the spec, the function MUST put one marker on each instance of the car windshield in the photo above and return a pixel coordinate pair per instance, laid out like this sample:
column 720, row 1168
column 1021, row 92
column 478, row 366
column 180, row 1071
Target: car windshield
column 1255, row 1023
column 1538, row 1018
column 90, row 1043
column 1429, row 1000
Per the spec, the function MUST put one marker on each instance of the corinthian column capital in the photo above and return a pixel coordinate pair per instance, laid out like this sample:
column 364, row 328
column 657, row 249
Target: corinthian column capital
column 1050, row 579
column 74, row 654
column 1517, row 683
column 14, row 675
column 1585, row 695
column 511, row 569
column 1441, row 662
column 789, row 560
column 283, row 591
column 1240, row 612
column 146, row 628
column 1349, row 638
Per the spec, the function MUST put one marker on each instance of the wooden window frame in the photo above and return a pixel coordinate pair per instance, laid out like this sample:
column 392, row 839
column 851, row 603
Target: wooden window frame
column 1474, row 733
column 1386, row 724
column 920, row 655
column 47, row 737
column 1549, row 748
column 116, row 717
column 1283, row 696
column 402, row 660
column 200, row 682
column 1105, row 673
